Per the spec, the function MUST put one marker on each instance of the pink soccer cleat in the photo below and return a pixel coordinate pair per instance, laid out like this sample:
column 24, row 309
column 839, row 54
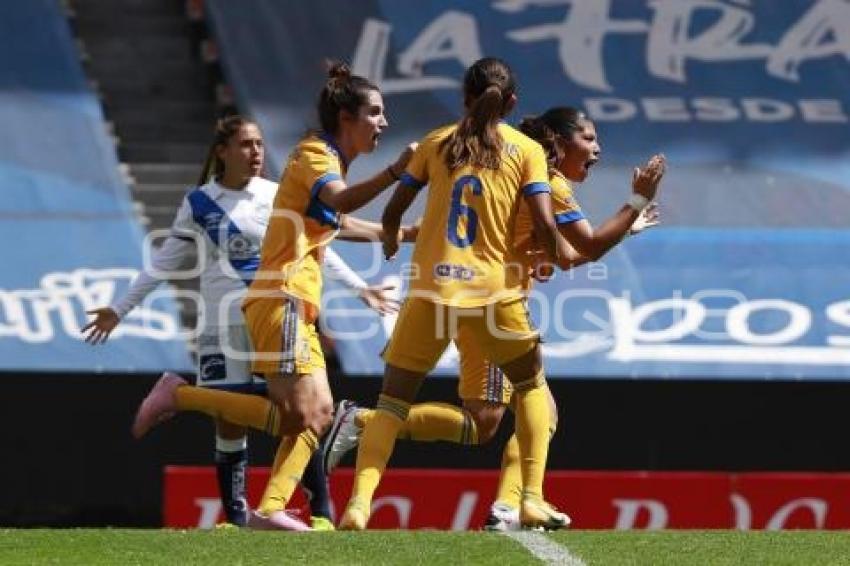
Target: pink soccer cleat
column 276, row 521
column 159, row 405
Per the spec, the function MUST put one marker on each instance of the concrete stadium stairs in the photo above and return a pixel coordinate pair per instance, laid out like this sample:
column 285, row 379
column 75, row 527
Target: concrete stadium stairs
column 147, row 61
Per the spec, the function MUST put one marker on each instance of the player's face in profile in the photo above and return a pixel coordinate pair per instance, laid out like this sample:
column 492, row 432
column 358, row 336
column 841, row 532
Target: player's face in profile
column 244, row 152
column 369, row 123
column 581, row 152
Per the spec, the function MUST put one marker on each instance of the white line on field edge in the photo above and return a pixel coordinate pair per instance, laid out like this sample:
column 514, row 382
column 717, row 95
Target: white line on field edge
column 544, row 548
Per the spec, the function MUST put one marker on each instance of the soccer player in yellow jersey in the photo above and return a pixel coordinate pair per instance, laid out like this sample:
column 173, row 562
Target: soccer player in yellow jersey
column 478, row 171
column 572, row 148
column 282, row 304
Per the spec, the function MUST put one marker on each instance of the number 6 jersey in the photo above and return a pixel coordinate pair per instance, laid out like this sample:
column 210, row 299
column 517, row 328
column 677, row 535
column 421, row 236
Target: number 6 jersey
column 464, row 254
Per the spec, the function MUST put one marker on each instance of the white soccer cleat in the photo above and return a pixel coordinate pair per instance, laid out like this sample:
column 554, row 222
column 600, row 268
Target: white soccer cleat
column 159, row 405
column 343, row 435
column 502, row 518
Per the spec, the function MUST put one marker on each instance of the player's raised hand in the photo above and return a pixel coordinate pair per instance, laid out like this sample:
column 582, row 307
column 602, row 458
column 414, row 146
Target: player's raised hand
column 105, row 321
column 645, row 180
column 648, row 218
column 541, row 268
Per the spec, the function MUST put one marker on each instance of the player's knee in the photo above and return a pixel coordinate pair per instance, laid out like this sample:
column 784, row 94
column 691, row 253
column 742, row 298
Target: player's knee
column 487, row 418
column 487, row 427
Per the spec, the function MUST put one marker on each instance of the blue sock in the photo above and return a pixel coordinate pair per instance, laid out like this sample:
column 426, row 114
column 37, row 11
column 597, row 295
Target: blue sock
column 314, row 482
column 231, row 464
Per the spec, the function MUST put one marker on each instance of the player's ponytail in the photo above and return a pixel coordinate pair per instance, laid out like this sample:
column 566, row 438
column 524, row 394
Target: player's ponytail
column 488, row 87
column 225, row 128
column 342, row 91
column 536, row 129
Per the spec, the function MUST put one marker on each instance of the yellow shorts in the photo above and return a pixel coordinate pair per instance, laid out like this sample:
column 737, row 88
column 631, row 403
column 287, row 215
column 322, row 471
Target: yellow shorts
column 284, row 337
column 479, row 379
column 423, row 330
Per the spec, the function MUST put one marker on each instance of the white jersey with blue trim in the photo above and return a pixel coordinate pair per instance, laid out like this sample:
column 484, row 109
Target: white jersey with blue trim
column 226, row 269
column 226, row 227
column 229, row 226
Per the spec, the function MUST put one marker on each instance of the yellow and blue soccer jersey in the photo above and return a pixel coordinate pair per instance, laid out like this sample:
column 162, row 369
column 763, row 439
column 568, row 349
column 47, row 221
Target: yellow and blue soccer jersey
column 301, row 224
column 564, row 204
column 565, row 208
column 465, row 241
column 479, row 378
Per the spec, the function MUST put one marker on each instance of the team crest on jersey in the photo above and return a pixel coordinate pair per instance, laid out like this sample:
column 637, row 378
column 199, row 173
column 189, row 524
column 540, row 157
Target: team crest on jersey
column 240, row 247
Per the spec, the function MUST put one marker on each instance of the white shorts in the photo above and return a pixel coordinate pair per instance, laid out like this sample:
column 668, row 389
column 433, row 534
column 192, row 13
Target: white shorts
column 224, row 360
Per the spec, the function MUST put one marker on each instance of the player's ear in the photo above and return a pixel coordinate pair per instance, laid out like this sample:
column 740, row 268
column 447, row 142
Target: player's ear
column 219, row 150
column 346, row 116
column 510, row 103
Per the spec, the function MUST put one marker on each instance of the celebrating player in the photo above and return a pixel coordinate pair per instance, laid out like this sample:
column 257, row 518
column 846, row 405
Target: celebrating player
column 230, row 182
column 282, row 303
column 572, row 148
column 477, row 172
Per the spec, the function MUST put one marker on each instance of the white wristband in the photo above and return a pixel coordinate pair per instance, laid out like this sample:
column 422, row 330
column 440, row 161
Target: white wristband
column 637, row 202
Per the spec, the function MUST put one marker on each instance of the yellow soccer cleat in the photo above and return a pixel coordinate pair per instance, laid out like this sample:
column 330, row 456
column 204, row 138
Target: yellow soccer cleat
column 534, row 513
column 354, row 518
column 321, row 524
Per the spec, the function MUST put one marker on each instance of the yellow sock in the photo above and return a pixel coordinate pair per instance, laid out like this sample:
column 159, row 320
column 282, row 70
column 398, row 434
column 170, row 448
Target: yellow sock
column 240, row 409
column 292, row 456
column 532, row 433
column 376, row 447
column 510, row 480
column 429, row 422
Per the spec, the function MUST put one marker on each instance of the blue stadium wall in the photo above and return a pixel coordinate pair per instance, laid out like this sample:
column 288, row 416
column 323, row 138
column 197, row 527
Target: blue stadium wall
column 71, row 241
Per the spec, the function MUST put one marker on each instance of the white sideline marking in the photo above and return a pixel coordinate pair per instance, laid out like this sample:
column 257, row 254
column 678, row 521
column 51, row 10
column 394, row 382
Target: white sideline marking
column 544, row 549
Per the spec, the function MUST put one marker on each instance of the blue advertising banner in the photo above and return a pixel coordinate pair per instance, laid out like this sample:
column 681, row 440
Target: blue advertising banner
column 70, row 240
column 749, row 99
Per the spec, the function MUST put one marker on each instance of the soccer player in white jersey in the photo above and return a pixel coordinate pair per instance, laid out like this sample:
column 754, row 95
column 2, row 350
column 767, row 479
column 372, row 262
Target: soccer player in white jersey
column 225, row 220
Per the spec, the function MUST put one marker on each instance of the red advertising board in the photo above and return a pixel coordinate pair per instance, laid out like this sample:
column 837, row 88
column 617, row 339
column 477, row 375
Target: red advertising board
column 460, row 499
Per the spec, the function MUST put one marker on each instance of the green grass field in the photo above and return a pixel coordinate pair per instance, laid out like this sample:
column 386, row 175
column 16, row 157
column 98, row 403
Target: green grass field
column 106, row 546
